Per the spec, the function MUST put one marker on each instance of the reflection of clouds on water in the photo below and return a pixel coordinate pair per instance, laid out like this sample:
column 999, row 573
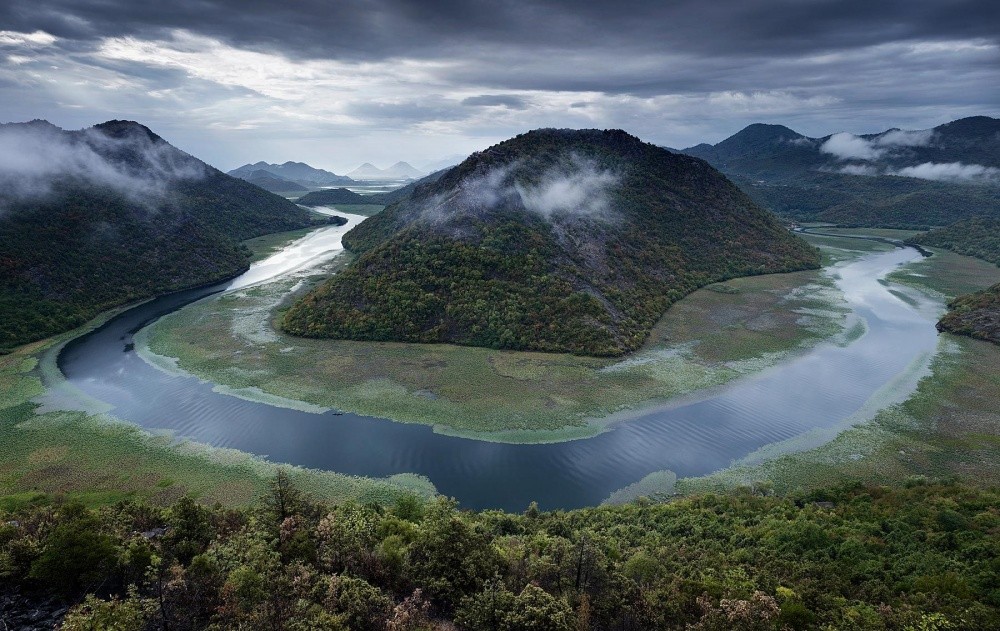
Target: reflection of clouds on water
column 311, row 250
column 829, row 387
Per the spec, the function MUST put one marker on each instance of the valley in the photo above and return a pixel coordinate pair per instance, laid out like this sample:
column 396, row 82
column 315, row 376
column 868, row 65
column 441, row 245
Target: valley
column 499, row 316
column 415, row 450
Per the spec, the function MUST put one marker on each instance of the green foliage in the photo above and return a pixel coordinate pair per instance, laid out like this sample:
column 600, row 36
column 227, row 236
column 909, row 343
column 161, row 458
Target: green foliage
column 363, row 606
column 77, row 555
column 921, row 557
column 505, row 277
column 129, row 614
column 497, row 609
column 977, row 237
column 976, row 315
column 84, row 248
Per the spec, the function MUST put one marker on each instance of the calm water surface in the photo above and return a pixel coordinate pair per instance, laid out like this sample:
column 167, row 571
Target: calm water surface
column 818, row 389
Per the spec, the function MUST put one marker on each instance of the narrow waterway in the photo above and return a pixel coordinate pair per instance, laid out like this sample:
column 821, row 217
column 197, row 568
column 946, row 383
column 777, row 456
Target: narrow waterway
column 819, row 389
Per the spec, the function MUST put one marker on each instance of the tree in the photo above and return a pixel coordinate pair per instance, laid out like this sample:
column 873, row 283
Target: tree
column 283, row 499
column 78, row 555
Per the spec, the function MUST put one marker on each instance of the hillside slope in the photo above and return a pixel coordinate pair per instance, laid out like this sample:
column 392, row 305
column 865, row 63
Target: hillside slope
column 977, row 314
column 111, row 214
column 976, row 237
column 556, row 240
column 273, row 183
column 895, row 178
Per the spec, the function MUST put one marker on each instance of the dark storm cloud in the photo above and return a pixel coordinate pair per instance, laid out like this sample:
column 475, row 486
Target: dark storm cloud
column 296, row 79
column 375, row 29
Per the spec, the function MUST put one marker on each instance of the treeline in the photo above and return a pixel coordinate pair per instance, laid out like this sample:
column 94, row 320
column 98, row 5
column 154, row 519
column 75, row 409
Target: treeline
column 921, row 557
column 978, row 237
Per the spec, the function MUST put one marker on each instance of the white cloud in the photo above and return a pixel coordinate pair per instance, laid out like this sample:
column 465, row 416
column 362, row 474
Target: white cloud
column 847, row 146
column 38, row 38
column 951, row 172
column 33, row 157
column 578, row 191
column 903, row 138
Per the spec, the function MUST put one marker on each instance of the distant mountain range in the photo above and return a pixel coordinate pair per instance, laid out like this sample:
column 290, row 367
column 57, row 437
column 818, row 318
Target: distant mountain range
column 896, row 177
column 100, row 217
column 556, row 240
column 332, row 196
column 274, row 183
column 398, row 171
column 299, row 173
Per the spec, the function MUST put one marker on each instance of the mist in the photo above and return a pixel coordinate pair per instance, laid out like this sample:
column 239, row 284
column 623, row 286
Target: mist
column 951, row 172
column 846, row 146
column 571, row 191
column 34, row 156
column 903, row 138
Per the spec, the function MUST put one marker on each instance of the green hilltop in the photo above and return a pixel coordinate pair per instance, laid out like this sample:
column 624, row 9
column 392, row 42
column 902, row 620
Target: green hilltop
column 555, row 240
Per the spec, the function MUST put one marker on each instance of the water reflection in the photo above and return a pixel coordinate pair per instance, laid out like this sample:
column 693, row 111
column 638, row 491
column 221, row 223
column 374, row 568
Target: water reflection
column 818, row 389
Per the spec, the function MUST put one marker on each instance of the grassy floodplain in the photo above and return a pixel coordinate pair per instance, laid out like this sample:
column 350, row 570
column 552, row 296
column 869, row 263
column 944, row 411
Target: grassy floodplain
column 950, row 427
column 47, row 453
column 714, row 335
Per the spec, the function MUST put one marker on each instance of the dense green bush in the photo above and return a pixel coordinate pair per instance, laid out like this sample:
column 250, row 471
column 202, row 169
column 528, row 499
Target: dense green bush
column 925, row 556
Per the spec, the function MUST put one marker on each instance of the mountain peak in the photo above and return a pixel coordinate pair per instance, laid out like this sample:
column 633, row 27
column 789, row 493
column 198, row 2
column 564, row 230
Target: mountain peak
column 764, row 132
column 125, row 129
column 971, row 126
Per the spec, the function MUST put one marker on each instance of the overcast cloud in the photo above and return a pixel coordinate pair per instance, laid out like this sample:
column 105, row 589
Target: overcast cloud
column 338, row 84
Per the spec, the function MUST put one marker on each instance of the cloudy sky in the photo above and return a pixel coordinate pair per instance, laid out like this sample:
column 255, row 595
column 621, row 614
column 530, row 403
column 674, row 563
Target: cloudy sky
column 337, row 83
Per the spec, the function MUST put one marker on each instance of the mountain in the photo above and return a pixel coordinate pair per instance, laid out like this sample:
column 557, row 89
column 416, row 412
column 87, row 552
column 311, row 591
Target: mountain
column 403, row 171
column 344, row 196
column 556, row 240
column 893, row 178
column 273, row 183
column 100, row 217
column 398, row 171
column 329, row 196
column 298, row 172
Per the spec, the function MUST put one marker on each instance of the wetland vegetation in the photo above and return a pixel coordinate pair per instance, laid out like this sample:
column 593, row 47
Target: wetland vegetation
column 712, row 336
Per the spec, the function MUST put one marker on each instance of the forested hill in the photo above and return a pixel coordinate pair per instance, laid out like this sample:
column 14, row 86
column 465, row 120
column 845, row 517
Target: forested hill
column 96, row 218
column 901, row 178
column 977, row 314
column 556, row 240
column 971, row 237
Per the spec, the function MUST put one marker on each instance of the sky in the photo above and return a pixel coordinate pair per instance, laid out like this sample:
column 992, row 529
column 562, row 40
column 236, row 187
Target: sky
column 338, row 83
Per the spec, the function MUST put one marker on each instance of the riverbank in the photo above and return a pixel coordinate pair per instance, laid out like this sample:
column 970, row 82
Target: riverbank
column 58, row 443
column 717, row 334
column 950, row 427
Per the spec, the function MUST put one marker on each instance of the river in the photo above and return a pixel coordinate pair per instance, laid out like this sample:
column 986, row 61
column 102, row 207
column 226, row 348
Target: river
column 800, row 397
